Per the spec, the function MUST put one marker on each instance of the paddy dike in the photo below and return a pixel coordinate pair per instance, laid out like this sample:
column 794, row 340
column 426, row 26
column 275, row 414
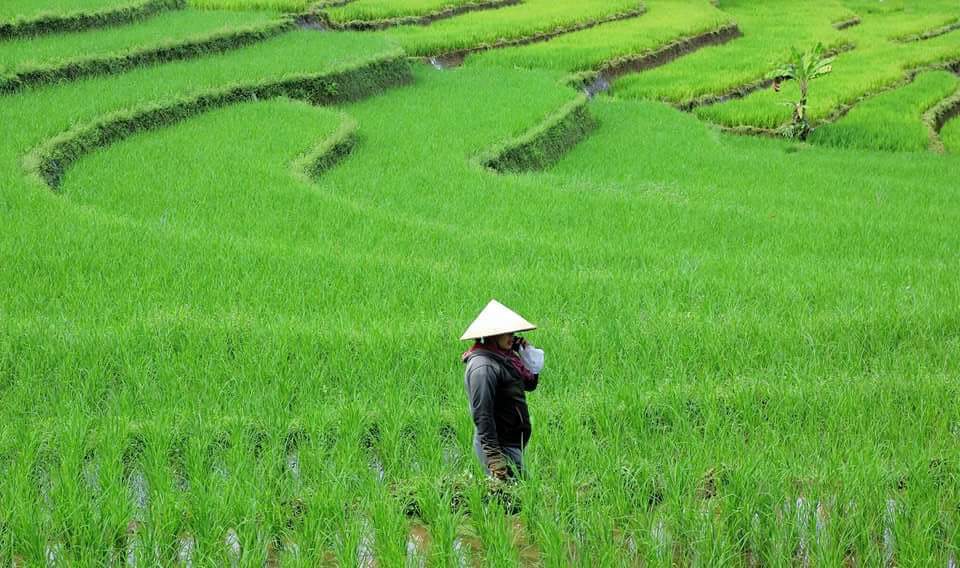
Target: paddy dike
column 745, row 89
column 604, row 76
column 422, row 20
column 218, row 42
column 455, row 58
column 844, row 24
column 46, row 23
column 50, row 160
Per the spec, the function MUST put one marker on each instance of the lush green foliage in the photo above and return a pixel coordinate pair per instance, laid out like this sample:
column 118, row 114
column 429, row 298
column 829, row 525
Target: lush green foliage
column 951, row 136
column 664, row 21
column 770, row 30
column 490, row 27
column 272, row 5
column 387, row 9
column 11, row 9
column 874, row 65
column 228, row 335
column 170, row 28
column 891, row 121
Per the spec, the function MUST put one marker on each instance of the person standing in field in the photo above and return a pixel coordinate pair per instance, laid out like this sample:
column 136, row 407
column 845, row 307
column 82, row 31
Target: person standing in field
column 501, row 368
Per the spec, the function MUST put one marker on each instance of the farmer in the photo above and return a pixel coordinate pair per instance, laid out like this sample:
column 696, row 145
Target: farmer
column 501, row 367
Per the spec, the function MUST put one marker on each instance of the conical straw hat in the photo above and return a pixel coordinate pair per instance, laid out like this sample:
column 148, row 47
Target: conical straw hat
column 494, row 320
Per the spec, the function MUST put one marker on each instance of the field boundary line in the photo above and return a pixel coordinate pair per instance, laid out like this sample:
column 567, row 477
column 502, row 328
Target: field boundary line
column 73, row 69
column 323, row 19
column 934, row 118
column 329, row 152
column 46, row 23
column 456, row 56
column 908, row 77
column 656, row 57
column 939, row 115
column 848, row 23
column 746, row 89
column 47, row 162
column 928, row 34
column 545, row 143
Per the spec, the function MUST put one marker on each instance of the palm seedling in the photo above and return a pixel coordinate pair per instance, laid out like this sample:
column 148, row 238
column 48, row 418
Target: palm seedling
column 802, row 67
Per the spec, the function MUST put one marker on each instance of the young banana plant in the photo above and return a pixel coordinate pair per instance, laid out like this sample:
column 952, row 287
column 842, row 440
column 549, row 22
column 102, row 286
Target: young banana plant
column 801, row 67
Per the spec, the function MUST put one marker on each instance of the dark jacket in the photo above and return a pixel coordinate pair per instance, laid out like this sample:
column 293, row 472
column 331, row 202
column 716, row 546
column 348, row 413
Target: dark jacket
column 497, row 401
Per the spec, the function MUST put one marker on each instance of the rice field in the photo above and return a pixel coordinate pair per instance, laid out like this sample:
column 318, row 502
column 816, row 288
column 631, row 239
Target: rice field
column 951, row 136
column 235, row 273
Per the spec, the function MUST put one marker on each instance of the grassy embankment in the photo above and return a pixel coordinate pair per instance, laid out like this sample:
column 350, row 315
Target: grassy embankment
column 891, row 121
column 769, row 30
column 665, row 21
column 53, row 57
column 380, row 10
column 951, row 136
column 876, row 64
column 489, row 28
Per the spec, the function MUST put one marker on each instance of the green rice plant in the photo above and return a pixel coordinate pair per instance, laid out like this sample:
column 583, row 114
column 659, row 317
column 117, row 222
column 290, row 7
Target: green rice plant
column 890, row 121
column 379, row 10
column 874, row 66
column 167, row 36
column 241, row 5
column 202, row 334
column 490, row 28
column 770, row 31
column 664, row 21
column 950, row 134
column 24, row 18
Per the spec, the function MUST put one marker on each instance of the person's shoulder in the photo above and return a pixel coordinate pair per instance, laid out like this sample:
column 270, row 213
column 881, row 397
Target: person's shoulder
column 482, row 362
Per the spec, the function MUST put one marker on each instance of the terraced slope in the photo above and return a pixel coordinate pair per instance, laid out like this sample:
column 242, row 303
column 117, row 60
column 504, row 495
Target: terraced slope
column 174, row 35
column 951, row 136
column 233, row 283
column 769, row 30
column 876, row 64
column 527, row 21
column 25, row 17
column 893, row 120
column 665, row 22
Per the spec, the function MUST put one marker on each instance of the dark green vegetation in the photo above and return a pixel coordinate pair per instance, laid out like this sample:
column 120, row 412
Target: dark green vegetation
column 233, row 284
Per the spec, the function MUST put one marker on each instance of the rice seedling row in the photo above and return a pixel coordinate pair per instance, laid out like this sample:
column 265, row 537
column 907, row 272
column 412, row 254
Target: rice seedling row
column 378, row 15
column 769, row 31
column 47, row 59
column 950, row 134
column 22, row 18
column 892, row 121
column 858, row 74
column 226, row 338
column 534, row 20
column 664, row 23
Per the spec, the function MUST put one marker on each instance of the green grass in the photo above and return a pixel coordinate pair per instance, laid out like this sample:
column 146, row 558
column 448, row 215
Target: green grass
column 163, row 30
column 372, row 10
column 270, row 5
column 488, row 27
column 752, row 345
column 950, row 134
column 14, row 9
column 876, row 64
column 769, row 29
column 891, row 121
column 664, row 22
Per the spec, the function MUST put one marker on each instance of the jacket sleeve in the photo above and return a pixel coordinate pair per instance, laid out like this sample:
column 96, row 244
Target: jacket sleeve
column 481, row 387
column 532, row 383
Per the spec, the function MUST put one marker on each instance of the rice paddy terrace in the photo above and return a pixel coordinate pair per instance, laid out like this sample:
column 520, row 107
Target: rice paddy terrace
column 238, row 240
